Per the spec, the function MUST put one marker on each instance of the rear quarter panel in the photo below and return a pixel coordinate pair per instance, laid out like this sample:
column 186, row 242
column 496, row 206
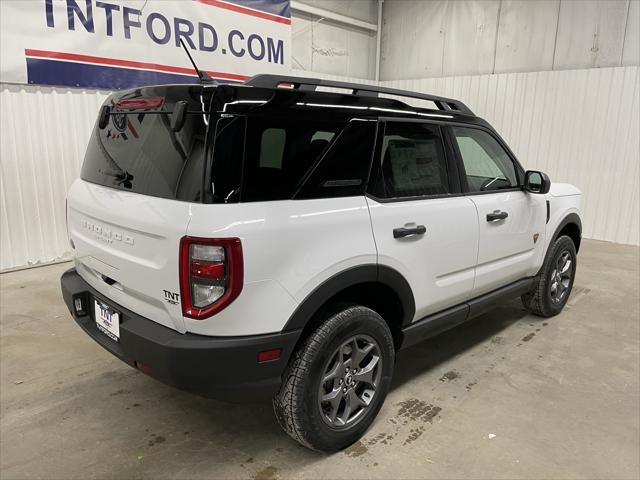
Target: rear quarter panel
column 289, row 248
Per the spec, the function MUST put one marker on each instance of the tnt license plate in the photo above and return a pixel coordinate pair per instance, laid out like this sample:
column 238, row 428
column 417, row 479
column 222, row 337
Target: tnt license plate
column 107, row 320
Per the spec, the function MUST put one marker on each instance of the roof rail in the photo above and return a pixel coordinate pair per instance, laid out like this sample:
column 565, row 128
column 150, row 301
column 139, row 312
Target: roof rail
column 302, row 83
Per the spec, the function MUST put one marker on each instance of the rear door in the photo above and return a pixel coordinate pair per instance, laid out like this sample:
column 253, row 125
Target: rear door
column 128, row 212
column 422, row 227
column 511, row 221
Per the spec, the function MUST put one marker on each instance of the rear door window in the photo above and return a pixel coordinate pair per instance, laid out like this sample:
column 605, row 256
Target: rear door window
column 413, row 162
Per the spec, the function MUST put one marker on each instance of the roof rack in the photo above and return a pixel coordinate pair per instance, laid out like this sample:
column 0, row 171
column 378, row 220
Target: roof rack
column 310, row 84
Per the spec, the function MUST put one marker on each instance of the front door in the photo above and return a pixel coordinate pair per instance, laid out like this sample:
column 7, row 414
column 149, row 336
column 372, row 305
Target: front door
column 511, row 221
column 420, row 228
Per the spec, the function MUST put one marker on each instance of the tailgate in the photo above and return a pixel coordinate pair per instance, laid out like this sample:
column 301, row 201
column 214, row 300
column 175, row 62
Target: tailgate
column 127, row 248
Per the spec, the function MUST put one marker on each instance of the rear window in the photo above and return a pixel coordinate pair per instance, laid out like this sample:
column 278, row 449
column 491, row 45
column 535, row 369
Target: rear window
column 138, row 151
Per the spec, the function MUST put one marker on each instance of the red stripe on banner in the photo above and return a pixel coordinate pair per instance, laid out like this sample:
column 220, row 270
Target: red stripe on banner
column 246, row 11
column 128, row 63
column 133, row 130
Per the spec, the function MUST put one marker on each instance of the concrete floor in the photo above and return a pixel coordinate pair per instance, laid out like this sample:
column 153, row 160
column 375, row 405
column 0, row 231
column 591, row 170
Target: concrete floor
column 505, row 396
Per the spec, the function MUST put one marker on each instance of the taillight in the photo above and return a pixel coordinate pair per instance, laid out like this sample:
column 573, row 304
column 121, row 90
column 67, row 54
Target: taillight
column 211, row 274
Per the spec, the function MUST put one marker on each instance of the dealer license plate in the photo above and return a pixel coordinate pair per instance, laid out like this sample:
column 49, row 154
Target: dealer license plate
column 107, row 320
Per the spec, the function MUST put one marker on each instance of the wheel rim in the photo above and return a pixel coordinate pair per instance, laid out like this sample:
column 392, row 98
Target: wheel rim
column 349, row 381
column 561, row 277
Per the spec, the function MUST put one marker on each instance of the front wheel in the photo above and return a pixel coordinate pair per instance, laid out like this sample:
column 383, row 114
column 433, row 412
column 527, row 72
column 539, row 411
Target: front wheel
column 554, row 282
column 337, row 380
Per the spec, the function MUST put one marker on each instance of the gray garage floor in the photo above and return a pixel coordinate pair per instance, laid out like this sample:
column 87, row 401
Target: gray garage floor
column 506, row 396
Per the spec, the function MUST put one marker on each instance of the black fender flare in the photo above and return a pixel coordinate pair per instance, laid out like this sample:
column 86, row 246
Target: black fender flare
column 571, row 218
column 368, row 273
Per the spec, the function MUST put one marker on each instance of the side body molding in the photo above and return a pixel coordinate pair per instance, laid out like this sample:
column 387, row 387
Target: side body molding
column 351, row 277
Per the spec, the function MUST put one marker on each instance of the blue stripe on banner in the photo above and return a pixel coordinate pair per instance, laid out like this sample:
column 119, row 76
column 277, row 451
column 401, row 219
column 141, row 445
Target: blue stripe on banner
column 276, row 7
column 70, row 74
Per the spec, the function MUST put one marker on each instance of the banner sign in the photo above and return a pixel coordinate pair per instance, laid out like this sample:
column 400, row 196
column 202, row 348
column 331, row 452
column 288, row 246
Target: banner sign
column 112, row 44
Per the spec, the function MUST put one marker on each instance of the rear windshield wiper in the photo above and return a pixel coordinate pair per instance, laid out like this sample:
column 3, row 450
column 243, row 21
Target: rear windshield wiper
column 123, row 178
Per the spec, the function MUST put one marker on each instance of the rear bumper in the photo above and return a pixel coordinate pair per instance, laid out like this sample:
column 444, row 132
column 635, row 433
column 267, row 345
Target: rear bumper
column 226, row 368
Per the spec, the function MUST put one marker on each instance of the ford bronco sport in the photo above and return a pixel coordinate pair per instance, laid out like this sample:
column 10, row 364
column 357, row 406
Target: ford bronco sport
column 284, row 238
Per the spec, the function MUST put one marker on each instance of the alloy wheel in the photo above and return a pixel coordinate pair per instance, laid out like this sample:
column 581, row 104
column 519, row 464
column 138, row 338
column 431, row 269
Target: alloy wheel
column 349, row 381
column 561, row 277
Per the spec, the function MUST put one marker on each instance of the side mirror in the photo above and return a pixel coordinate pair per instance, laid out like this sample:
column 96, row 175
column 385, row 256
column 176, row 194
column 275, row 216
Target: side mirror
column 536, row 182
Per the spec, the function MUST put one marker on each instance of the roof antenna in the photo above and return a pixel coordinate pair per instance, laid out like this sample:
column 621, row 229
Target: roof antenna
column 203, row 77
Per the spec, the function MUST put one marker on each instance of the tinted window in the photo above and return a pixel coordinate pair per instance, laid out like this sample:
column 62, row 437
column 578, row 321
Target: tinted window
column 272, row 147
column 413, row 162
column 226, row 164
column 342, row 171
column 320, row 135
column 486, row 163
column 138, row 152
column 279, row 152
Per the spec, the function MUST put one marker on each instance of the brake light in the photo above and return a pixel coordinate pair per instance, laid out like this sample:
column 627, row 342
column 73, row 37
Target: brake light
column 211, row 274
column 140, row 103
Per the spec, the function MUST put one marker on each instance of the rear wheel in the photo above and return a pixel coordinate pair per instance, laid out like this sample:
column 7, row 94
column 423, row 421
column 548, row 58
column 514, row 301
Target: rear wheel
column 337, row 380
column 554, row 283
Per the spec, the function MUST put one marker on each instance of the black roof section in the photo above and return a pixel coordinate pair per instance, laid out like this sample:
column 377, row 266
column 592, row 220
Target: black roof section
column 310, row 84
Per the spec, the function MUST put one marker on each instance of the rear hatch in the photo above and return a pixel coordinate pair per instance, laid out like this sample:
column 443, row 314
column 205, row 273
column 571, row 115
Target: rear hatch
column 128, row 212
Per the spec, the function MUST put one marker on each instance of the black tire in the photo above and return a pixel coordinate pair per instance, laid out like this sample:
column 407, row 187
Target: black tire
column 297, row 405
column 540, row 300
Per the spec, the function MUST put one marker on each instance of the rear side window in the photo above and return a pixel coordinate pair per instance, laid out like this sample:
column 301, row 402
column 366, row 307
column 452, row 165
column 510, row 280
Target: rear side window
column 279, row 152
column 342, row 171
column 413, row 162
column 272, row 147
column 138, row 152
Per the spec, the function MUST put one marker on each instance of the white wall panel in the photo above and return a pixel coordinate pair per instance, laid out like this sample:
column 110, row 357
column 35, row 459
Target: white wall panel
column 435, row 38
column 43, row 135
column 470, row 37
column 321, row 44
column 631, row 47
column 526, row 35
column 589, row 33
column 432, row 38
column 333, row 48
column 579, row 126
column 412, row 39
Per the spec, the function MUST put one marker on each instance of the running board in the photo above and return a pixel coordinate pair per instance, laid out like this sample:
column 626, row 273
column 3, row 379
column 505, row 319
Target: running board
column 451, row 317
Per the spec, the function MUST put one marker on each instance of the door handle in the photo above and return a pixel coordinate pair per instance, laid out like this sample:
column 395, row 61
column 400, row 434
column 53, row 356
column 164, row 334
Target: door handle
column 496, row 215
column 407, row 231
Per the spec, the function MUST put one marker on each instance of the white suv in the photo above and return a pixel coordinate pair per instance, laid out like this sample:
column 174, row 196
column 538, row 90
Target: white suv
column 271, row 240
